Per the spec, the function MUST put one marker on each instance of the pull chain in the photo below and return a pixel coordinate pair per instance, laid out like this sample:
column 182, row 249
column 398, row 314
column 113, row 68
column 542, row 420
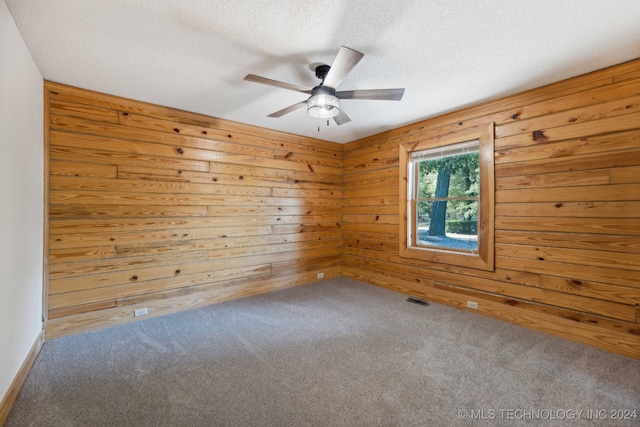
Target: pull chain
column 327, row 125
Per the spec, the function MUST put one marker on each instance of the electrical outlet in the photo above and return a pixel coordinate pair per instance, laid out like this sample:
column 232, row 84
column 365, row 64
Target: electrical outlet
column 140, row 312
column 473, row 305
column 320, row 275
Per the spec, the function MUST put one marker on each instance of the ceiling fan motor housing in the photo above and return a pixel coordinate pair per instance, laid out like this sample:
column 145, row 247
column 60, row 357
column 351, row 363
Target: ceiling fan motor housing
column 323, row 102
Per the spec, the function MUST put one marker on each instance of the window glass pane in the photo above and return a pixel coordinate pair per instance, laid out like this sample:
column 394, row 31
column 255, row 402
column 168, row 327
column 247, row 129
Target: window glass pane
column 448, row 224
column 447, row 196
column 428, row 181
column 456, row 176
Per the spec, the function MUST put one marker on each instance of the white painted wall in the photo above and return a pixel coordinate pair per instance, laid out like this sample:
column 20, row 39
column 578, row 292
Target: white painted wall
column 21, row 199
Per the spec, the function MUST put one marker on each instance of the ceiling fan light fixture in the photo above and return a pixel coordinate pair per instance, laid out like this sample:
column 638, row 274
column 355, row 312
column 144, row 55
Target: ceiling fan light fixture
column 323, row 106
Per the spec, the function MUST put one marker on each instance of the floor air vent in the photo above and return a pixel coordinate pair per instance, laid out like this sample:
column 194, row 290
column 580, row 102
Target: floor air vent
column 417, row 301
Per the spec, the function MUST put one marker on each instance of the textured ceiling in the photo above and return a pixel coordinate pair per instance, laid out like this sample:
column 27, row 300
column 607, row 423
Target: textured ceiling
column 448, row 54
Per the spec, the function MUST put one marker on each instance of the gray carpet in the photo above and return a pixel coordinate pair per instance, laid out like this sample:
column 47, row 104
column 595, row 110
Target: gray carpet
column 333, row 353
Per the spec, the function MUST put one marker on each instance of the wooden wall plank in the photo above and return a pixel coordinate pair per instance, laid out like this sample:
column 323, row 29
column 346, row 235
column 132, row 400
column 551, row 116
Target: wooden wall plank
column 83, row 226
column 592, row 193
column 624, row 175
column 229, row 242
column 123, row 186
column 621, row 294
column 614, row 276
column 621, row 209
column 596, row 242
column 597, row 95
column 92, row 295
column 110, row 265
column 98, row 156
column 560, row 179
column 63, row 197
column 577, row 130
column 71, row 212
column 84, row 111
column 83, row 170
column 547, row 120
column 625, row 261
column 540, row 295
column 564, row 164
column 601, row 144
column 610, row 225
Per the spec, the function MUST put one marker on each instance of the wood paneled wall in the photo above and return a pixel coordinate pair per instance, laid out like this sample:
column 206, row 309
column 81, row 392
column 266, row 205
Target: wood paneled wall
column 157, row 208
column 567, row 240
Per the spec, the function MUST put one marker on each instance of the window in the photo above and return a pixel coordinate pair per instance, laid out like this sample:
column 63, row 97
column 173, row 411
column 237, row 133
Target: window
column 445, row 184
column 447, row 199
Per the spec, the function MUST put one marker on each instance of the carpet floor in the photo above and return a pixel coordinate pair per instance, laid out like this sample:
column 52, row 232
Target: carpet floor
column 333, row 353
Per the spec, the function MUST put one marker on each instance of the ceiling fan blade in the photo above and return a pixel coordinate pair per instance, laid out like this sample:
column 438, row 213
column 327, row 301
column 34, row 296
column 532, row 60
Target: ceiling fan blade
column 341, row 118
column 375, row 94
column 342, row 65
column 288, row 109
column 269, row 82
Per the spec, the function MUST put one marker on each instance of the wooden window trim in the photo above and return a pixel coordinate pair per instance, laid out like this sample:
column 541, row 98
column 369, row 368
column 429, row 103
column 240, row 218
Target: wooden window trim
column 484, row 259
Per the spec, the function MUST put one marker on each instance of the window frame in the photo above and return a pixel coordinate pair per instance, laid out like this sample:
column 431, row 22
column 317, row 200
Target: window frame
column 484, row 258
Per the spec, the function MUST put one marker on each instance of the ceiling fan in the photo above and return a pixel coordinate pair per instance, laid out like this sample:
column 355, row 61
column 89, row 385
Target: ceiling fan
column 324, row 101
